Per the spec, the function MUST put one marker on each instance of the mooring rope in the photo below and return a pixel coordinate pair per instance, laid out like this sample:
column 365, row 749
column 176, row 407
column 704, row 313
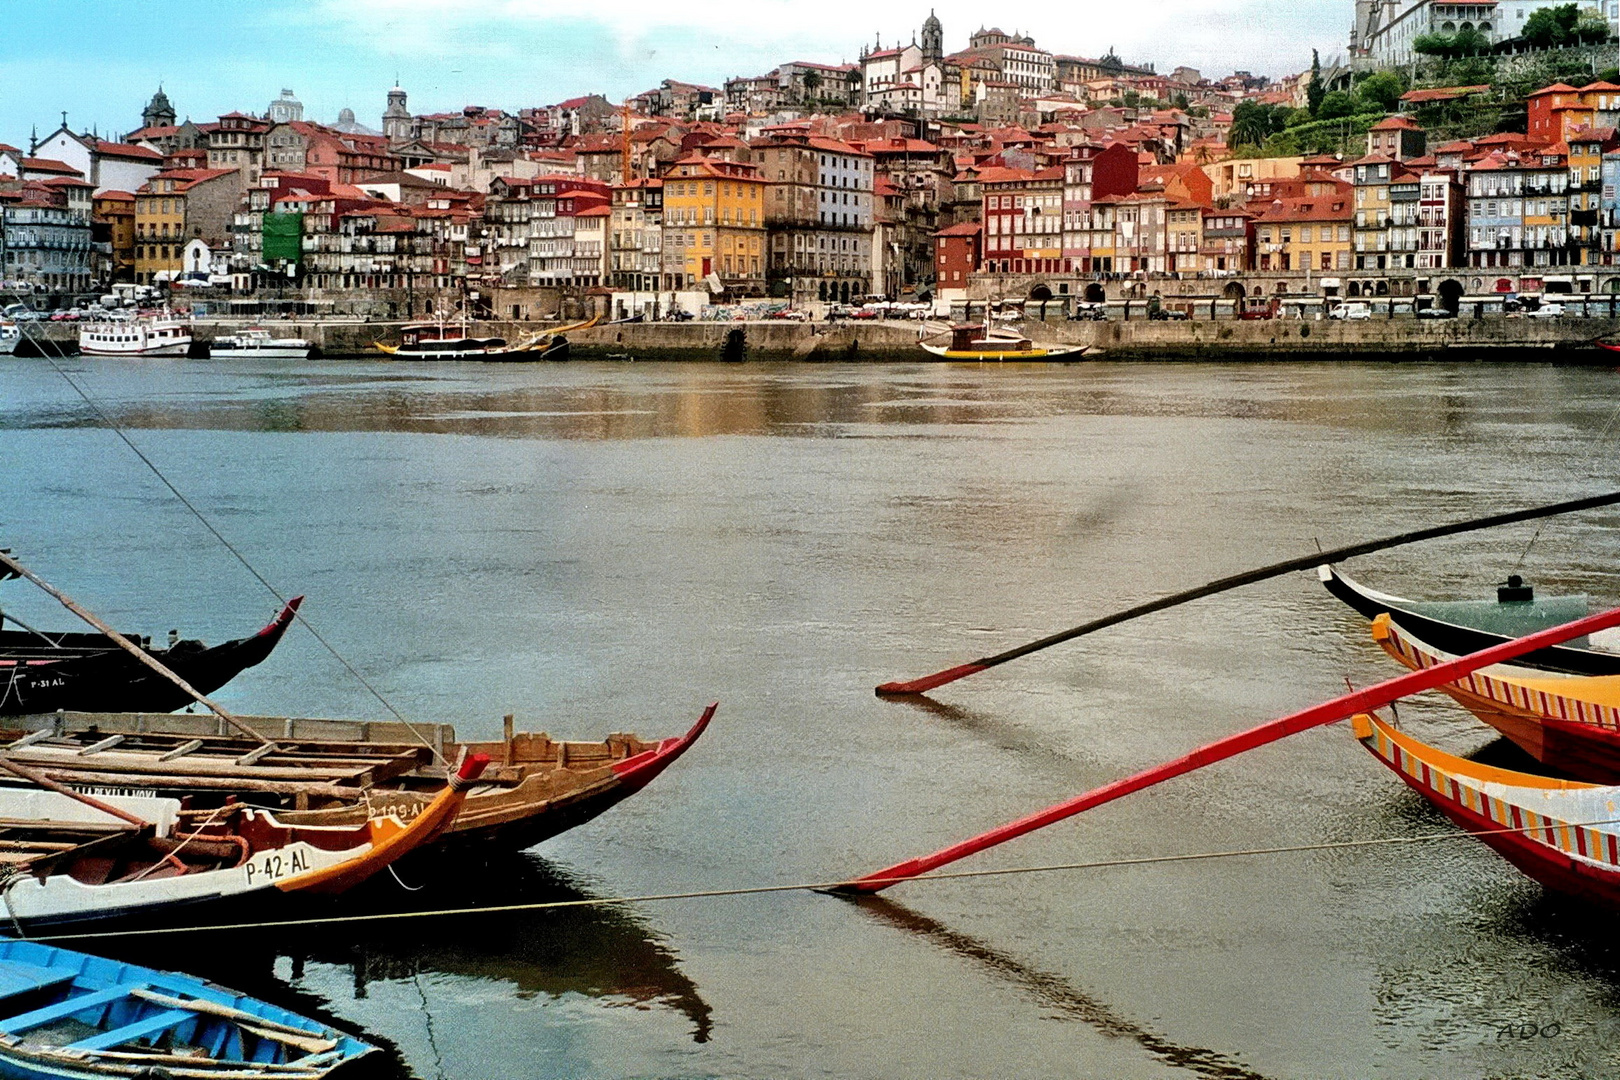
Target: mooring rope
column 111, row 425
column 819, row 886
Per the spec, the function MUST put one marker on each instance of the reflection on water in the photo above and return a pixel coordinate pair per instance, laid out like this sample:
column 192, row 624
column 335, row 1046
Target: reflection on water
column 1053, row 991
column 601, row 952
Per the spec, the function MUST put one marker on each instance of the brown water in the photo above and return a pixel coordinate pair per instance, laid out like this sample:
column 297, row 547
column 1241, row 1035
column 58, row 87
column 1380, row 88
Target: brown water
column 609, row 547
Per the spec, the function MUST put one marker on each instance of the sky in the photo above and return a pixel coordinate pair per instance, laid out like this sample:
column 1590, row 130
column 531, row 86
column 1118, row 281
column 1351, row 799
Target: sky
column 100, row 60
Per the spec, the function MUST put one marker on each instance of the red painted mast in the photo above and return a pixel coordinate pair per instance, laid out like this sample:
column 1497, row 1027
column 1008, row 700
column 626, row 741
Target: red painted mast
column 1373, row 697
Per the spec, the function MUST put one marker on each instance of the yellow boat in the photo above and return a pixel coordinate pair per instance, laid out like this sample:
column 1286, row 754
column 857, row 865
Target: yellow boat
column 988, row 345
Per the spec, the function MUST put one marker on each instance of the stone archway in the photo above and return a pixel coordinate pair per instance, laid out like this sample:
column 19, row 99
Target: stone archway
column 1095, row 294
column 1381, row 289
column 1451, row 291
column 1040, row 293
column 1353, row 290
column 1234, row 290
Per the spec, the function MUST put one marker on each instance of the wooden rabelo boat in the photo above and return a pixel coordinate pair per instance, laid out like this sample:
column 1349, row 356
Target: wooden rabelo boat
column 1568, row 722
column 42, row 672
column 1563, row 833
column 334, row 772
column 68, row 1015
column 975, row 342
column 451, row 341
column 67, row 860
column 1465, row 626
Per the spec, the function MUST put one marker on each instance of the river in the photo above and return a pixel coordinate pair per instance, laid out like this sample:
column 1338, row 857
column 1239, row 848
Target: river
column 609, row 547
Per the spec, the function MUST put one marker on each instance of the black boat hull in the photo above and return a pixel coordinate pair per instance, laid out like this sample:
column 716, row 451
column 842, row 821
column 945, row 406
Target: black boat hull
column 112, row 680
column 1461, row 640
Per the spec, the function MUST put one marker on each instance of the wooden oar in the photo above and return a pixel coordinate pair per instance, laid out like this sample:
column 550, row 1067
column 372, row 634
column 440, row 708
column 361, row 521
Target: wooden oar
column 1373, row 697
column 1304, row 562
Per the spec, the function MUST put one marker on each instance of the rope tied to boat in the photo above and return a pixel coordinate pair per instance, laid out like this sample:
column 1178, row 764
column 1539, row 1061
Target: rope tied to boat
column 823, row 887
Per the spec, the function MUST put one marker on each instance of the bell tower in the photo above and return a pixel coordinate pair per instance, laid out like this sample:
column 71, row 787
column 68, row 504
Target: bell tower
column 933, row 39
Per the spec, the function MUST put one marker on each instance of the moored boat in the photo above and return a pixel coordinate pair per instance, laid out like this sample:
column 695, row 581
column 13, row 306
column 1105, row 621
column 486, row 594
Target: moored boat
column 1568, row 722
column 10, row 334
column 256, row 341
column 332, row 772
column 41, row 672
column 68, row 1015
column 1563, row 833
column 1465, row 626
column 70, row 860
column 975, row 342
column 157, row 334
column 451, row 341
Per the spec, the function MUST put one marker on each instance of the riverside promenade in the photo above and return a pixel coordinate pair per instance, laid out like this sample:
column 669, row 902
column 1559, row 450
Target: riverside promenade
column 1493, row 337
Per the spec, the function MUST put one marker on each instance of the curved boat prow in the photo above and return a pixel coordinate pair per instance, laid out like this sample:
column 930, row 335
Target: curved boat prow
column 392, row 840
column 637, row 772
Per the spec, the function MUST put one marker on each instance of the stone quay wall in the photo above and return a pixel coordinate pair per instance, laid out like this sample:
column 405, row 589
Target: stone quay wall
column 1562, row 340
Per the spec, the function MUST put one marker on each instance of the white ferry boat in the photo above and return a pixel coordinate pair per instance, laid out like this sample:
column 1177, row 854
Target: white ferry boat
column 145, row 335
column 257, row 341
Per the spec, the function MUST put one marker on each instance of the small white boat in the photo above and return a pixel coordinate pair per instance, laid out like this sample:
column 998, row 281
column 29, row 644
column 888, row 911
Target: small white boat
column 10, row 334
column 257, row 341
column 144, row 335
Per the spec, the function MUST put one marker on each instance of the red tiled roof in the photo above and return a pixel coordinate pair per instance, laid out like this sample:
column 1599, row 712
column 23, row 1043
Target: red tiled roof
column 34, row 164
column 966, row 228
column 125, row 150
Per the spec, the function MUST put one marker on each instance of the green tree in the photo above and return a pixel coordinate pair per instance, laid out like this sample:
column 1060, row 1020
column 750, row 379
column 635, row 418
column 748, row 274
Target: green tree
column 1253, row 123
column 1336, row 103
column 1314, row 90
column 1181, row 102
column 1382, row 90
column 1548, row 28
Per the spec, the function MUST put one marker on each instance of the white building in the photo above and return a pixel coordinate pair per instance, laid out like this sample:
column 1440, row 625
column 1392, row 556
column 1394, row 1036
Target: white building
column 110, row 166
column 1385, row 29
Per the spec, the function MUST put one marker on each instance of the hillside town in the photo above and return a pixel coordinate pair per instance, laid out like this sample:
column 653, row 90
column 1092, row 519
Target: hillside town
column 912, row 173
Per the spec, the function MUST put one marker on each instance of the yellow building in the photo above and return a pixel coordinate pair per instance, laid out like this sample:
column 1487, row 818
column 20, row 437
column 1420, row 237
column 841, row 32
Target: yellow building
column 1376, row 216
column 176, row 206
column 1586, row 146
column 1311, row 233
column 714, row 223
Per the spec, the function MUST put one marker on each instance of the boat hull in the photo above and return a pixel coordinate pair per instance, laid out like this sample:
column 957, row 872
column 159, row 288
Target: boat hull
column 270, row 352
column 171, row 349
column 111, row 680
column 1567, row 856
column 1008, row 355
column 536, row 789
column 1460, row 640
column 1563, row 732
column 121, row 1011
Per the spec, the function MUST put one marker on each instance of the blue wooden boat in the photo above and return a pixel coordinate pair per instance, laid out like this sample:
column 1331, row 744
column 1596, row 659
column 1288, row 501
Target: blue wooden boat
column 70, row 1016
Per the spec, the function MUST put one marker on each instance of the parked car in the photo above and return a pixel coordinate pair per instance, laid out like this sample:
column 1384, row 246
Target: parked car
column 1546, row 311
column 1353, row 311
column 1090, row 310
column 1436, row 313
column 791, row 315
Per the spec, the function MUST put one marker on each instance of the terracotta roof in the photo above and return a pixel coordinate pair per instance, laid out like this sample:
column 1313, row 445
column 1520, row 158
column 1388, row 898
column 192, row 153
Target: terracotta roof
column 966, row 228
column 1396, row 123
column 1307, row 209
column 34, row 164
column 125, row 150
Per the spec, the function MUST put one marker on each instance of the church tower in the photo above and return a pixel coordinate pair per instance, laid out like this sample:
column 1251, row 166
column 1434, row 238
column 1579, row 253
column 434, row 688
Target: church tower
column 158, row 111
column 396, row 119
column 933, row 40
